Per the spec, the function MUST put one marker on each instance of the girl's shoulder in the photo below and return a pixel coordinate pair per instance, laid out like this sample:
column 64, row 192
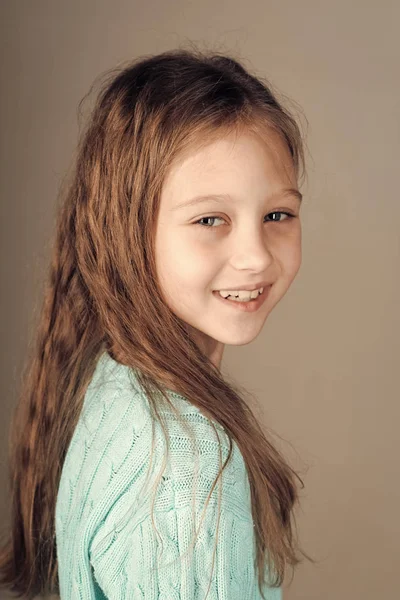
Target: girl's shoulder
column 114, row 439
column 114, row 395
column 112, row 391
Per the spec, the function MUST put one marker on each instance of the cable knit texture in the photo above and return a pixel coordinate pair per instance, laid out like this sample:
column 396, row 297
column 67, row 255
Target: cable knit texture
column 107, row 544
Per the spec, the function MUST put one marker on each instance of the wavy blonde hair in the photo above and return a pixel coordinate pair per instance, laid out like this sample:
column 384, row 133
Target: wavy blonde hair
column 102, row 295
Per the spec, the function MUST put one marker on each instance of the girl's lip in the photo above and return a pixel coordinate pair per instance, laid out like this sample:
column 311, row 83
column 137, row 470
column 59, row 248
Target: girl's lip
column 248, row 288
column 250, row 306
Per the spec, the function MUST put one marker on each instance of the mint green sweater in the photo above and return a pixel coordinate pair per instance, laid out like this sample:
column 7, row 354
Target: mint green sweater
column 107, row 547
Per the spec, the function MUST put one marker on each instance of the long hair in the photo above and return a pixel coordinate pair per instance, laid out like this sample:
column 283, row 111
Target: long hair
column 102, row 295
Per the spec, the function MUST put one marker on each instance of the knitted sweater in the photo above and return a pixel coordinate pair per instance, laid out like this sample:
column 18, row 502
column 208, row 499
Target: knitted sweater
column 107, row 547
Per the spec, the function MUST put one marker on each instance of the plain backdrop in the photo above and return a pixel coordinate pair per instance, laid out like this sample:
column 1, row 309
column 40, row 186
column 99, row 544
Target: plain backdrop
column 325, row 367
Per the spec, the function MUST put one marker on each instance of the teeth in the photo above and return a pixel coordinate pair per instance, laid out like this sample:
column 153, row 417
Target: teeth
column 241, row 295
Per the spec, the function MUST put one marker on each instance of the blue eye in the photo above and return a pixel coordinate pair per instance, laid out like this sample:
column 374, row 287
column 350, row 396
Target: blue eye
column 289, row 215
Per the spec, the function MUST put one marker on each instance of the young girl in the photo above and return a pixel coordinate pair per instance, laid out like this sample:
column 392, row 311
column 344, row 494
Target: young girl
column 137, row 470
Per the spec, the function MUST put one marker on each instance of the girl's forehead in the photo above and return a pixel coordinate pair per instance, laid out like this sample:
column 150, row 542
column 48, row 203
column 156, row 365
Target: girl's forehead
column 224, row 151
column 230, row 165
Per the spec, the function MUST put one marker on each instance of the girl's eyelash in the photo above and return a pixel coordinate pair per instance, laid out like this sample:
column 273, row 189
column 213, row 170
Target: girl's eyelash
column 275, row 212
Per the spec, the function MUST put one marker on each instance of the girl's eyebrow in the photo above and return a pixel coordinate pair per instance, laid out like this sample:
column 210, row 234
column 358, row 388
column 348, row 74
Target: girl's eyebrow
column 227, row 197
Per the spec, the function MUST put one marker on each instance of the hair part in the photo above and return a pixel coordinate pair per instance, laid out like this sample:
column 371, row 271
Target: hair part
column 102, row 294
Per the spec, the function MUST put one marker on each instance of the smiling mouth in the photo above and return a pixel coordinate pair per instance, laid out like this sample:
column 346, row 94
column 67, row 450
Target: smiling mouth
column 254, row 303
column 237, row 298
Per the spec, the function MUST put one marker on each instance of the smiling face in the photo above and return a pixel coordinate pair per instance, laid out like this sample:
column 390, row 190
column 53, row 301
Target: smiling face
column 238, row 240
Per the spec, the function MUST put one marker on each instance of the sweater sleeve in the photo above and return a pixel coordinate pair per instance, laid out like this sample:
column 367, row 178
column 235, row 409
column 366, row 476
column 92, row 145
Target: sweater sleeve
column 128, row 563
column 133, row 557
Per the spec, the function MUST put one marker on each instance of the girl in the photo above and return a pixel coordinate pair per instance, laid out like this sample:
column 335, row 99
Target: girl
column 179, row 233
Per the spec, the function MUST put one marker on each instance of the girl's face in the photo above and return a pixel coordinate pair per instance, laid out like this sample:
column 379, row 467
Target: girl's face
column 238, row 240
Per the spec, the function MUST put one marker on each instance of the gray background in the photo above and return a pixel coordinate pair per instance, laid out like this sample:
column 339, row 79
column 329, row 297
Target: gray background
column 325, row 366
